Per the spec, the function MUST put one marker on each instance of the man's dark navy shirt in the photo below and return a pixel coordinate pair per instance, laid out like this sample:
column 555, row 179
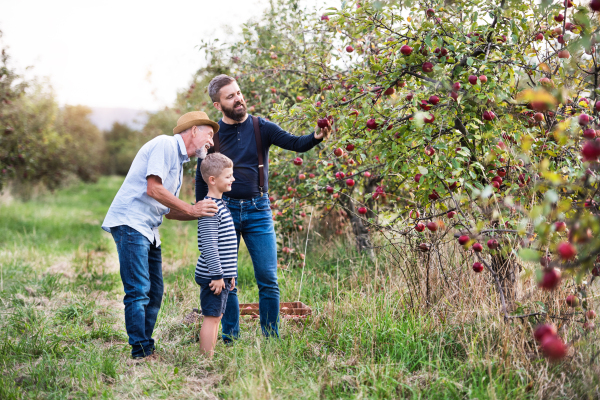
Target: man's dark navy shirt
column 239, row 143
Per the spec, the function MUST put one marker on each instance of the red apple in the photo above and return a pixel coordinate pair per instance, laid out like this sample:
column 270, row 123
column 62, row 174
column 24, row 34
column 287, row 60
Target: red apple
column 472, row 79
column 367, row 174
column 543, row 330
column 563, row 53
column 430, row 151
column 362, row 210
column 451, row 214
column 550, row 279
column 584, row 119
column 477, row 267
column 501, row 172
column 349, row 49
column 419, row 227
column 418, row 177
column 559, row 18
column 350, row 182
column 553, row 347
column 489, row 115
column 589, row 133
column 434, row 99
column 427, row 67
column 414, row 214
column 389, row 91
column 432, row 226
column 424, row 247
column 434, row 195
column 560, row 226
column 430, row 119
column 372, row 124
column 539, row 36
column 410, row 96
column 572, row 300
column 298, row 161
column 590, row 150
column 430, row 12
column 456, row 86
column 324, row 18
column 322, row 123
column 492, row 244
column 329, row 189
column 454, row 96
column 302, row 177
column 406, row 50
column 566, row 250
column 595, row 5
column 539, row 117
column 464, row 239
column 349, row 147
column 477, row 247
column 338, row 152
column 425, row 106
column 590, row 314
column 561, row 39
column 483, row 78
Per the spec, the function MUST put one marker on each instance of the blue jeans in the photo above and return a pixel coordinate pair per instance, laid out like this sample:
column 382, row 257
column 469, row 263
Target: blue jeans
column 141, row 272
column 253, row 221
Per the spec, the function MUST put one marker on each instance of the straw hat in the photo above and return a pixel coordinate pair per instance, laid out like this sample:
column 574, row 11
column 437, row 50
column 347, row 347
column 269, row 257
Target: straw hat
column 194, row 118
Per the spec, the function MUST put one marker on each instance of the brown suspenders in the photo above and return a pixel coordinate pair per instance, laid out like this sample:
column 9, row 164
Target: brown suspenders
column 259, row 150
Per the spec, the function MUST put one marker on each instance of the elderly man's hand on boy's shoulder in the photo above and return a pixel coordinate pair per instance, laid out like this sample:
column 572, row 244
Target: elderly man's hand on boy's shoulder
column 217, row 286
column 204, row 208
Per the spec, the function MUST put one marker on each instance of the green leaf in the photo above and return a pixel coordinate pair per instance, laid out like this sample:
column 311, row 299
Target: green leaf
column 469, row 61
column 529, row 255
column 423, row 170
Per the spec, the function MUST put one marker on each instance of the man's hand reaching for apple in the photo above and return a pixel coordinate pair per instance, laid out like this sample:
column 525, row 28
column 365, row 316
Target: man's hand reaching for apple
column 323, row 133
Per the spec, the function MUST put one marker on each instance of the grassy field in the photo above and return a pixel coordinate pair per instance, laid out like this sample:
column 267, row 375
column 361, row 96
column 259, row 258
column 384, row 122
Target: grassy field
column 62, row 333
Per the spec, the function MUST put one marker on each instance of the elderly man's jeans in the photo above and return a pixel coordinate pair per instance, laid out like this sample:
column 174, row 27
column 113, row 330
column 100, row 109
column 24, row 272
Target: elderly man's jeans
column 141, row 272
column 253, row 221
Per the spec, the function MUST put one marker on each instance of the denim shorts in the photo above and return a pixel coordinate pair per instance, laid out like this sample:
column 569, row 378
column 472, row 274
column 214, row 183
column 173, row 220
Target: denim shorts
column 211, row 304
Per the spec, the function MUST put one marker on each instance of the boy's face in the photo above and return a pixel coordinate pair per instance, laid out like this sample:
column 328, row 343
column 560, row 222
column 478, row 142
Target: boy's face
column 222, row 183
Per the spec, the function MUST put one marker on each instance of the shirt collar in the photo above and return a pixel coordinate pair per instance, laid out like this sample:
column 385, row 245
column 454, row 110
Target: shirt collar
column 182, row 150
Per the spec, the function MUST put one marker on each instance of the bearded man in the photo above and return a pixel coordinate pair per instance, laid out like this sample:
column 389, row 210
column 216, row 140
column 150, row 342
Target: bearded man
column 246, row 139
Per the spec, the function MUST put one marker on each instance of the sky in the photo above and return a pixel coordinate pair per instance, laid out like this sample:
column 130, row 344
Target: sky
column 126, row 53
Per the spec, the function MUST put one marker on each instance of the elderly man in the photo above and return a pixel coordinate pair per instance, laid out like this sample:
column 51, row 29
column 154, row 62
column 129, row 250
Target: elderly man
column 246, row 140
column 151, row 190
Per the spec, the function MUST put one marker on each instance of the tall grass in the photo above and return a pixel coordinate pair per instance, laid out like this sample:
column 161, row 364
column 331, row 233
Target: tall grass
column 370, row 336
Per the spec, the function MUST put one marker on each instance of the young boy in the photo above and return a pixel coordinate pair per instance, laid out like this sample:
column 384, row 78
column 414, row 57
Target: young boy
column 216, row 269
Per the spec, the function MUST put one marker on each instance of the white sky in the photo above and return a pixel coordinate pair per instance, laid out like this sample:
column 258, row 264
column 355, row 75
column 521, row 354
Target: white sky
column 126, row 53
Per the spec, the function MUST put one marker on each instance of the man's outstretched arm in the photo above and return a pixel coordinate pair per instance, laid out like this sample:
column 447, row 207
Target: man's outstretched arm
column 285, row 140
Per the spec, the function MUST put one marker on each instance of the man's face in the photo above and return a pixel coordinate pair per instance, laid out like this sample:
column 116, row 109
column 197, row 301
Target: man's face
column 203, row 140
column 232, row 103
column 223, row 181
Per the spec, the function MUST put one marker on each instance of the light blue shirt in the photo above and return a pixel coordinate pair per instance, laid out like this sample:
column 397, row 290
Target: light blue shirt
column 164, row 157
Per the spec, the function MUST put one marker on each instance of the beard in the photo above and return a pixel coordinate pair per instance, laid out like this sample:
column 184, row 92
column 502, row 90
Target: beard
column 236, row 115
column 201, row 152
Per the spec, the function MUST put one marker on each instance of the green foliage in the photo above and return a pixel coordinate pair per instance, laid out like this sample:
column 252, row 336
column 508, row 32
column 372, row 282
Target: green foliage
column 362, row 341
column 461, row 142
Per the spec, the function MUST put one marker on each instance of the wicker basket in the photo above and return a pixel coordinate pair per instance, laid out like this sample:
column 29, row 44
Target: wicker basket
column 294, row 308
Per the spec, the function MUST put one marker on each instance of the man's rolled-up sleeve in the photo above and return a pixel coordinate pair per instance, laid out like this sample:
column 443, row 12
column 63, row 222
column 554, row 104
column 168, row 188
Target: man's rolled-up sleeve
column 160, row 160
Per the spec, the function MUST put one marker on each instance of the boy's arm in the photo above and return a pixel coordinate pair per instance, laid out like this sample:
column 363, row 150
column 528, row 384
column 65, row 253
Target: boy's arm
column 208, row 235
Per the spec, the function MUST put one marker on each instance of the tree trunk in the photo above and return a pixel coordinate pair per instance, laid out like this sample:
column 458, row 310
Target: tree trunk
column 361, row 233
column 507, row 275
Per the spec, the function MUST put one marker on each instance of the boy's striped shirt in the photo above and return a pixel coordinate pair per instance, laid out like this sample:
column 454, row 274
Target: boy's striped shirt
column 217, row 243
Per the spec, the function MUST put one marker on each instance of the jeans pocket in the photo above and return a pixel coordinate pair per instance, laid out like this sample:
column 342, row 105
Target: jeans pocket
column 262, row 204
